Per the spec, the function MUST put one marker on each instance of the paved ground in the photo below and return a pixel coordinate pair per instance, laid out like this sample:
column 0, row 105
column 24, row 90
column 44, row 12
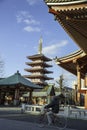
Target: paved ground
column 20, row 125
column 12, row 119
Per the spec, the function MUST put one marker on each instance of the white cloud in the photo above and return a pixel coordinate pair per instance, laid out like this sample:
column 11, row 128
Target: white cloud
column 22, row 15
column 31, row 21
column 25, row 17
column 32, row 2
column 32, row 29
column 53, row 49
column 31, row 25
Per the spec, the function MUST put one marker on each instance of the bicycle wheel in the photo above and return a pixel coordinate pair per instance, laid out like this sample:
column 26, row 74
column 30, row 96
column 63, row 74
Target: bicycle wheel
column 42, row 120
column 60, row 122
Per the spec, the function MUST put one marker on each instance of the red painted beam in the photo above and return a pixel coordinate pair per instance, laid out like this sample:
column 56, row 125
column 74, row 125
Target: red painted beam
column 53, row 11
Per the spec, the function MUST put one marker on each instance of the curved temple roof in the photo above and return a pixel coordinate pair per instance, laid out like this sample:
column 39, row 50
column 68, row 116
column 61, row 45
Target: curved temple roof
column 70, row 62
column 72, row 16
column 18, row 79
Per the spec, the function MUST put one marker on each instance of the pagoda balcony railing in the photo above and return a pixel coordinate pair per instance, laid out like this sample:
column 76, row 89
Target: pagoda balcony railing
column 36, row 81
column 38, row 74
column 38, row 61
column 37, row 67
column 39, row 80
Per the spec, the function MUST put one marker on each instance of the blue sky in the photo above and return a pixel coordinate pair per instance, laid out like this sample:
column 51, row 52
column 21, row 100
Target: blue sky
column 22, row 23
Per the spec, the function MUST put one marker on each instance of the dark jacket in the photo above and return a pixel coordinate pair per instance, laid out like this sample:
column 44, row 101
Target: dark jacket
column 54, row 105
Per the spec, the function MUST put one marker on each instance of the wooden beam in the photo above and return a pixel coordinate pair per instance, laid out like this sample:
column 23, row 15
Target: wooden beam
column 53, row 11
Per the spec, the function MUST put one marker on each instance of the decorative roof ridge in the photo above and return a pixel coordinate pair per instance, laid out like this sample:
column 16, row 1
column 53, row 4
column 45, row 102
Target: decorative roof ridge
column 78, row 52
column 62, row 2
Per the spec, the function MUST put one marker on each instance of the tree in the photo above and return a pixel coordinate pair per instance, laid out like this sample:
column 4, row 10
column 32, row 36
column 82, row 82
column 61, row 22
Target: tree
column 1, row 68
column 60, row 82
column 68, row 92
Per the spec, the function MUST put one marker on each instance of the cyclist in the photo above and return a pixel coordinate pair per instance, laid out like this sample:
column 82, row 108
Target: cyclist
column 54, row 105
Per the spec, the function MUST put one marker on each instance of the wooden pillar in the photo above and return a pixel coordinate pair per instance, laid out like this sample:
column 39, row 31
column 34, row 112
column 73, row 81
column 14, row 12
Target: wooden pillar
column 16, row 97
column 78, row 84
column 86, row 100
column 17, row 94
column 85, row 85
column 75, row 93
column 85, row 81
column 30, row 97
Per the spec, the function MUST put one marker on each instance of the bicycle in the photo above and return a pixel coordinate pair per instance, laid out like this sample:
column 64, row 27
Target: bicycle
column 58, row 120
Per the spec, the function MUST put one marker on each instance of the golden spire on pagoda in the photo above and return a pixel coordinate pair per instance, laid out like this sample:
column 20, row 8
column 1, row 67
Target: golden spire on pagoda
column 40, row 45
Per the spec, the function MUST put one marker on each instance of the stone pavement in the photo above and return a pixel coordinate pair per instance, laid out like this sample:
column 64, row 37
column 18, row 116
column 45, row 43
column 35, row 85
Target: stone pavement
column 6, row 124
column 12, row 119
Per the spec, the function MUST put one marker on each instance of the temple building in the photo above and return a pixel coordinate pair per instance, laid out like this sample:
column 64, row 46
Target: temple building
column 37, row 67
column 13, row 87
column 72, row 16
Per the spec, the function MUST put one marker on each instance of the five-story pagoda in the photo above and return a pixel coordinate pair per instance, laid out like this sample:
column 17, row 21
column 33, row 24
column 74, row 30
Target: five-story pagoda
column 38, row 67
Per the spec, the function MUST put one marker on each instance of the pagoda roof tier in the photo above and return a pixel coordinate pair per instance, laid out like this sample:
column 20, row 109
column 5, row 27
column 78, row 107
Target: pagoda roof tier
column 72, row 16
column 38, row 70
column 36, row 63
column 40, row 76
column 39, row 56
column 70, row 62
